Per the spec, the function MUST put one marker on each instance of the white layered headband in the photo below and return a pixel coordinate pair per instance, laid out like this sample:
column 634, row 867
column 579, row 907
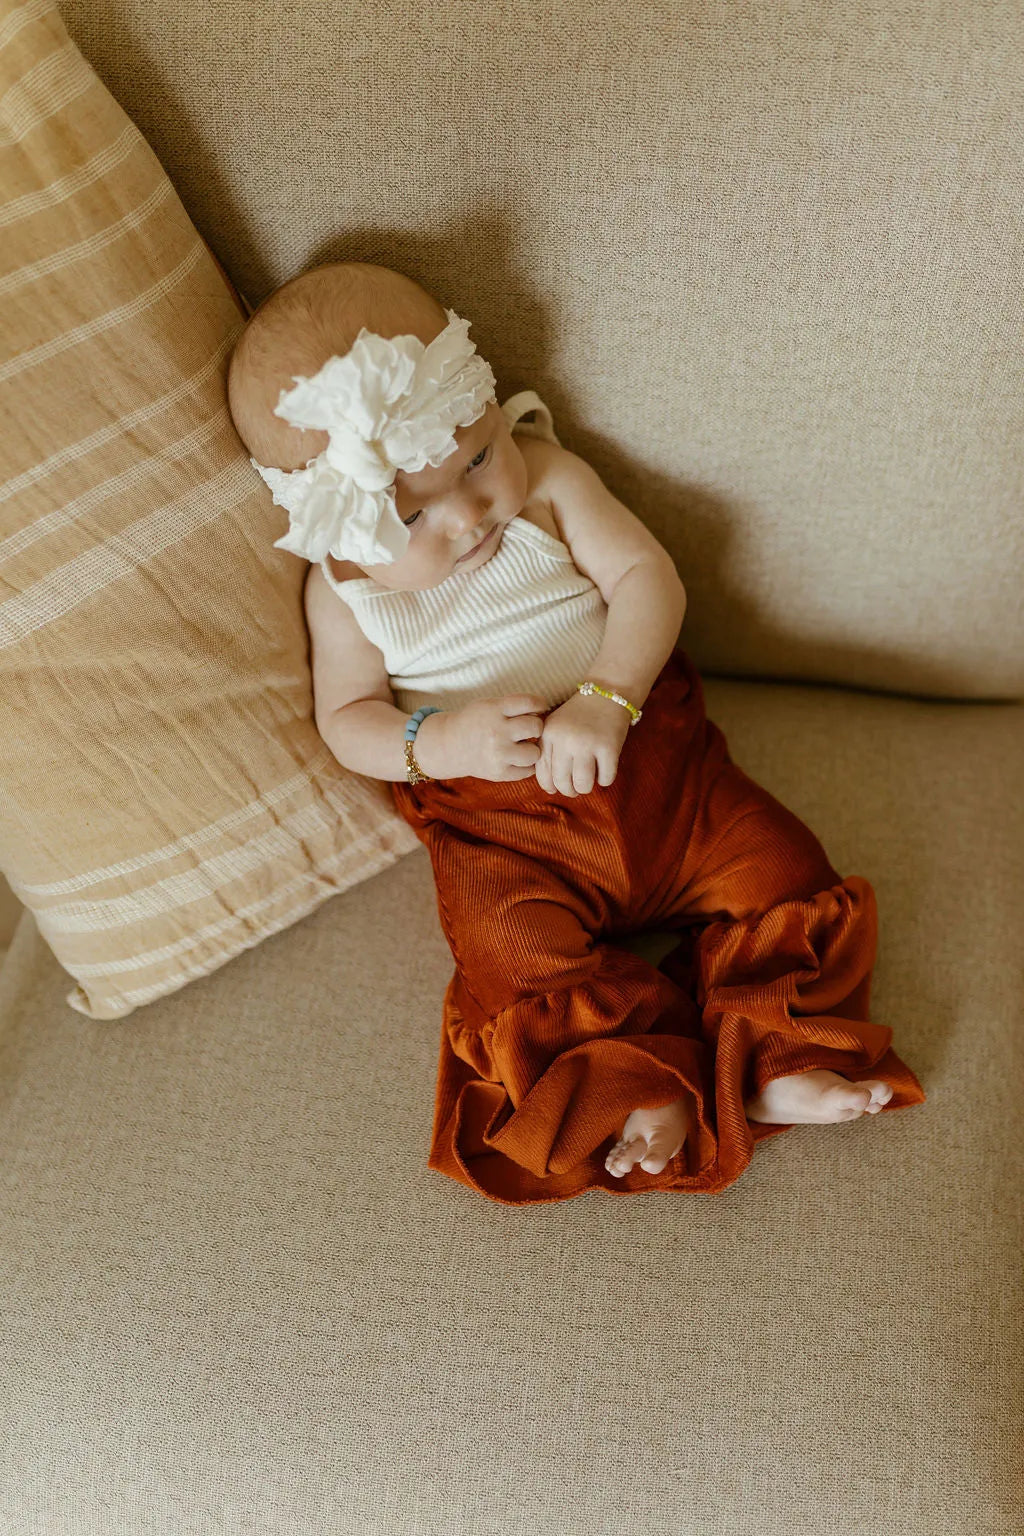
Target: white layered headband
column 386, row 406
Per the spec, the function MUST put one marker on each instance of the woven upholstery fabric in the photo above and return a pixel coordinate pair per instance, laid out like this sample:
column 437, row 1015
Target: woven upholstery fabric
column 10, row 912
column 236, row 1299
column 165, row 799
column 764, row 262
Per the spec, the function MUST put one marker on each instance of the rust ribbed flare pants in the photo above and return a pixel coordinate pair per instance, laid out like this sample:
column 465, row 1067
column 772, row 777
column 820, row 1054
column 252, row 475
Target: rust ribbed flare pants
column 550, row 1036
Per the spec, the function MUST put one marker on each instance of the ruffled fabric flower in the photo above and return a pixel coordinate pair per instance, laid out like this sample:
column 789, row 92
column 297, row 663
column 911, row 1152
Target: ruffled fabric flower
column 386, row 405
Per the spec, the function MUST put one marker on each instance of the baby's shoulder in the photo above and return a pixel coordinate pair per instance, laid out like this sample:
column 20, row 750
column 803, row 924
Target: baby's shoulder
column 542, row 456
column 342, row 570
column 315, row 590
column 545, row 465
column 321, row 602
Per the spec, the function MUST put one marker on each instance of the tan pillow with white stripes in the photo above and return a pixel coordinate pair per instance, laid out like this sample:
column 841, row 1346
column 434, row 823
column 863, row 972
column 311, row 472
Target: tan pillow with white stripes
column 165, row 800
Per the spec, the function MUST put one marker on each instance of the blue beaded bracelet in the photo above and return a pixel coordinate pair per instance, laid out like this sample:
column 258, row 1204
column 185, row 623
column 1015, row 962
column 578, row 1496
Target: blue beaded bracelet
column 415, row 721
column 413, row 772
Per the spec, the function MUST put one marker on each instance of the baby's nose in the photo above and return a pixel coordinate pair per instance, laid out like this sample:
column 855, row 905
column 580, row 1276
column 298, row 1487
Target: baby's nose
column 467, row 517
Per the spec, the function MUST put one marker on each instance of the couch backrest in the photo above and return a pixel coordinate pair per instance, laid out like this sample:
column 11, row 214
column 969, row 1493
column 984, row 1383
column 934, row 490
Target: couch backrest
column 763, row 262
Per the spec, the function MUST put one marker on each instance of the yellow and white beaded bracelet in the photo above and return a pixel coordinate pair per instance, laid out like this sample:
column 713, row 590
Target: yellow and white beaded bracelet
column 608, row 694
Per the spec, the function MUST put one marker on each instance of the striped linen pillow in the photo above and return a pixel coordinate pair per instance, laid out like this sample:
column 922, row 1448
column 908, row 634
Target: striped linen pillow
column 165, row 799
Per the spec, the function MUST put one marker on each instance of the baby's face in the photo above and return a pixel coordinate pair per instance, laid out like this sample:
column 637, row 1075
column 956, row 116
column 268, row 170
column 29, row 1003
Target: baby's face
column 450, row 511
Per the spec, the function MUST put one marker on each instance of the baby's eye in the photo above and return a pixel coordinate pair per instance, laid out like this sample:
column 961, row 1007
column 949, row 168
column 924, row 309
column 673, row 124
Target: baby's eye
column 473, row 464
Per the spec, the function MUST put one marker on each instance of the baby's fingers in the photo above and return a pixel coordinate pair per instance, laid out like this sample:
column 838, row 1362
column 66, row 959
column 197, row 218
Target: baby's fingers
column 523, row 704
column 584, row 771
column 523, row 754
column 561, row 773
column 608, row 763
column 526, row 727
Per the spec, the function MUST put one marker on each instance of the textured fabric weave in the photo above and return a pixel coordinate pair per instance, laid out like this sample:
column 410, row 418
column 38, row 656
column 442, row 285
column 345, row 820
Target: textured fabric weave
column 226, row 1265
column 165, row 800
column 219, row 1283
column 764, row 262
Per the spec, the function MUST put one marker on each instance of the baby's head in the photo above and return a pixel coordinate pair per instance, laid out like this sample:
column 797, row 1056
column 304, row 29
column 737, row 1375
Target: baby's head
column 449, row 508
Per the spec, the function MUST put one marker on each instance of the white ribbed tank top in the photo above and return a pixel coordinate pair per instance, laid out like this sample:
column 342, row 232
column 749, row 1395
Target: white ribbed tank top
column 526, row 621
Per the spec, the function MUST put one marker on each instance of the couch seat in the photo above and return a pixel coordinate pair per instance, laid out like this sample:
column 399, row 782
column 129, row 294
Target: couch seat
column 237, row 1300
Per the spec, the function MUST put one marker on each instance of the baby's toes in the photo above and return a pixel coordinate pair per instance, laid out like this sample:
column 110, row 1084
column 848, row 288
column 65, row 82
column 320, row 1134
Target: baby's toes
column 881, row 1093
column 624, row 1154
column 846, row 1103
column 660, row 1152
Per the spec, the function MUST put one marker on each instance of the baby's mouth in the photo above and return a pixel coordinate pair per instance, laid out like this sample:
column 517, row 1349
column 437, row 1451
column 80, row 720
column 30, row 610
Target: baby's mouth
column 478, row 545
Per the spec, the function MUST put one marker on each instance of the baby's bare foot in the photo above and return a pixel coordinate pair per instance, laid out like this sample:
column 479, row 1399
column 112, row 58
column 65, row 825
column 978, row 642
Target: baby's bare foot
column 651, row 1137
column 816, row 1098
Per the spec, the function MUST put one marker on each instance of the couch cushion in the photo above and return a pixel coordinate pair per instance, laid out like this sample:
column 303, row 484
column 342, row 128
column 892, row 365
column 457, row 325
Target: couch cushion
column 237, row 1299
column 762, row 261
column 165, row 799
column 10, row 913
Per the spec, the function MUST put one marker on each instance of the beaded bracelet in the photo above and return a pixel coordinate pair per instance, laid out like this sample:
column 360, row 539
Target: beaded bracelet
column 413, row 772
column 608, row 694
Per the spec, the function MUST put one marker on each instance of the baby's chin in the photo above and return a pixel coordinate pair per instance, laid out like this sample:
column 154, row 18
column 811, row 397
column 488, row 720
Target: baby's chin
column 400, row 581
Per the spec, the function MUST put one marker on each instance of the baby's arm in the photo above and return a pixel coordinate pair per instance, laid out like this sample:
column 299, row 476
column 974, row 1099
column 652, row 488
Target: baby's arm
column 634, row 573
column 357, row 717
column 354, row 707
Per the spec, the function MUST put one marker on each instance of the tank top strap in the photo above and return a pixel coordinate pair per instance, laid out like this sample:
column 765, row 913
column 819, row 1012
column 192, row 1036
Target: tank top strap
column 522, row 404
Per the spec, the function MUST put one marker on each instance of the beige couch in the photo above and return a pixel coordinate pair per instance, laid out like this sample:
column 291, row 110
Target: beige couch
column 763, row 264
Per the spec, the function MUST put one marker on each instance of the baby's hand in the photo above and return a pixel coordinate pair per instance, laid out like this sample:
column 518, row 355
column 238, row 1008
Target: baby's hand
column 495, row 738
column 582, row 739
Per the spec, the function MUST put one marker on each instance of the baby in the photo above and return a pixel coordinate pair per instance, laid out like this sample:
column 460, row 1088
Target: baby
column 494, row 634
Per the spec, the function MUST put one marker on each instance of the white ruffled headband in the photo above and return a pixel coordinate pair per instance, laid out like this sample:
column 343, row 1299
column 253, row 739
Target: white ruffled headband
column 386, row 406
